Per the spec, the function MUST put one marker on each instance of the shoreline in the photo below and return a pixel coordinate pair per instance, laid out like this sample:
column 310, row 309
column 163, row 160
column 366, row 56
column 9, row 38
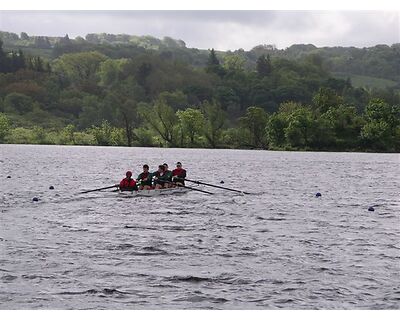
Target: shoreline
column 205, row 148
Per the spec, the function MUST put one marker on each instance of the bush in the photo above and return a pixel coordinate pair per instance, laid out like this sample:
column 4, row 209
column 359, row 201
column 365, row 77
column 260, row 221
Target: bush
column 144, row 137
column 21, row 136
column 84, row 138
column 106, row 135
column 4, row 127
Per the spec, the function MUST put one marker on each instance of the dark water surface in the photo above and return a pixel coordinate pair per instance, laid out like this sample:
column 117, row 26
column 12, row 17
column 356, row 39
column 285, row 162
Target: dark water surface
column 280, row 248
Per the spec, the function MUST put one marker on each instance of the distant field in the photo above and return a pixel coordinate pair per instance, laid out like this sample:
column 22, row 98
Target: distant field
column 45, row 53
column 365, row 81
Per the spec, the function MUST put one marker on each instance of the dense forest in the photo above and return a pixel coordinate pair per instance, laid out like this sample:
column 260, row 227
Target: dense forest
column 142, row 91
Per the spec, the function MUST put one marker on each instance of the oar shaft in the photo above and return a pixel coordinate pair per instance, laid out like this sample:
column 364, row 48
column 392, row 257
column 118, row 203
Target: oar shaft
column 190, row 188
column 99, row 189
column 213, row 185
column 195, row 189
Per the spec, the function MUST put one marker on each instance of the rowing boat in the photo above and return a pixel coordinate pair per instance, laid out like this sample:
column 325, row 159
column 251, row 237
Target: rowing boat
column 152, row 192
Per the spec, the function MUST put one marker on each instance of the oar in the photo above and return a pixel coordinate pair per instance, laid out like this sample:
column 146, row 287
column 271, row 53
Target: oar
column 104, row 188
column 190, row 188
column 213, row 185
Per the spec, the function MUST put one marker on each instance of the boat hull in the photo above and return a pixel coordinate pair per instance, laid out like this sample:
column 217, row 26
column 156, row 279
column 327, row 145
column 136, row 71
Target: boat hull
column 152, row 192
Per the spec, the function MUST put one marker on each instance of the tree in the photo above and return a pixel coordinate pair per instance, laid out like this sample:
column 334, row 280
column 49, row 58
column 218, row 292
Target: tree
column 123, row 97
column 67, row 134
column 212, row 58
column 18, row 103
column 65, row 41
column 289, row 107
column 263, row 66
column 213, row 65
column 162, row 119
column 177, row 99
column 91, row 112
column 24, row 36
column 260, row 94
column 379, row 110
column 326, row 98
column 214, row 122
column 81, row 68
column 345, row 125
column 110, row 71
column 20, row 60
column 382, row 125
column 255, row 121
column 299, row 132
column 29, row 88
column 71, row 106
column 106, row 135
column 4, row 127
column 43, row 118
column 228, row 99
column 276, row 129
column 128, row 112
column 142, row 73
column 37, row 64
column 3, row 58
column 376, row 135
column 192, row 123
column 234, row 63
column 42, row 42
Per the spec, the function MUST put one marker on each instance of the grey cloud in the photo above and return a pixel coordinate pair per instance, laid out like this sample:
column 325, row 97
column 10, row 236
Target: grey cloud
column 219, row 29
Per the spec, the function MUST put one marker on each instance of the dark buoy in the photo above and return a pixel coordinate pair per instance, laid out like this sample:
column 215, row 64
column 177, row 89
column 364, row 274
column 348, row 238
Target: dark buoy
column 35, row 199
column 8, row 177
column 222, row 182
column 318, row 194
column 51, row 188
column 371, row 209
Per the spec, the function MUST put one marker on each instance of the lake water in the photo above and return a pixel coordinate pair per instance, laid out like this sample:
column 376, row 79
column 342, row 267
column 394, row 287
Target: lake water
column 279, row 248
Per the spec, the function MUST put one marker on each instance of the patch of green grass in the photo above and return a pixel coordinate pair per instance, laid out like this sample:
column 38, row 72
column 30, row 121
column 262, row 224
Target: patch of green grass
column 44, row 53
column 366, row 81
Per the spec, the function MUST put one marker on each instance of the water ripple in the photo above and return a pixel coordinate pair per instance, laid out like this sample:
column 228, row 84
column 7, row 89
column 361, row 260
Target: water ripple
column 280, row 247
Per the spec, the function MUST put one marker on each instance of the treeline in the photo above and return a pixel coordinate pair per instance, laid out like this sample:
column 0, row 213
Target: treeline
column 293, row 127
column 149, row 100
column 378, row 62
column 15, row 60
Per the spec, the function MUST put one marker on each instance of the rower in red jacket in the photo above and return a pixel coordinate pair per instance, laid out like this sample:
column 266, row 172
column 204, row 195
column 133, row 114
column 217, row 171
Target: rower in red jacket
column 128, row 184
column 179, row 174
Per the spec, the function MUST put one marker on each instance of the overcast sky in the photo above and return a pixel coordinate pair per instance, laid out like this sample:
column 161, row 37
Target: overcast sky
column 222, row 30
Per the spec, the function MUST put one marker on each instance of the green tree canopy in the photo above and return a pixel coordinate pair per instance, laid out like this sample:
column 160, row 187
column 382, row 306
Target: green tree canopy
column 162, row 119
column 325, row 99
column 263, row 66
column 192, row 123
column 215, row 119
column 255, row 121
column 18, row 103
column 80, row 68
column 276, row 126
column 300, row 129
column 213, row 64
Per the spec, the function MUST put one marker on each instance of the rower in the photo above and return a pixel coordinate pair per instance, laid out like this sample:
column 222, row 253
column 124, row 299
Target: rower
column 179, row 174
column 128, row 184
column 159, row 175
column 167, row 176
column 144, row 179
